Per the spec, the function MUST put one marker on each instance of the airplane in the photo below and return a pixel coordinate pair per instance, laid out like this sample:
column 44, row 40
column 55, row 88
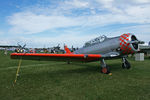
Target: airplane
column 144, row 49
column 56, row 49
column 98, row 49
column 20, row 48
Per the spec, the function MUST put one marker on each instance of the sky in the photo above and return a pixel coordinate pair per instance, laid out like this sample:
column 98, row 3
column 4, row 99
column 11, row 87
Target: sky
column 46, row 23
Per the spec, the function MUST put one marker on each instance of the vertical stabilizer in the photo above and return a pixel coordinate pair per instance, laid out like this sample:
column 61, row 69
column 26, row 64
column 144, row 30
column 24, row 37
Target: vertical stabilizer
column 67, row 49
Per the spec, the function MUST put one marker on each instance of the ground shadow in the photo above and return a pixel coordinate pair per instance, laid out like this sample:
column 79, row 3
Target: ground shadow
column 84, row 69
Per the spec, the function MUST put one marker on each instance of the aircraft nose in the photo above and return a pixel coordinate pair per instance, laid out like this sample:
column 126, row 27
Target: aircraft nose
column 134, row 43
column 129, row 43
column 124, row 44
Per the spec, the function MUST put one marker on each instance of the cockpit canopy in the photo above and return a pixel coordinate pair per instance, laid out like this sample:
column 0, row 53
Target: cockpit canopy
column 95, row 41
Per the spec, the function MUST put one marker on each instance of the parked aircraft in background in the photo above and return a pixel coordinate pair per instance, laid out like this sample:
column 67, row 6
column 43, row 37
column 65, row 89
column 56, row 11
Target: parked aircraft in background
column 98, row 49
column 56, row 49
column 145, row 49
column 20, row 49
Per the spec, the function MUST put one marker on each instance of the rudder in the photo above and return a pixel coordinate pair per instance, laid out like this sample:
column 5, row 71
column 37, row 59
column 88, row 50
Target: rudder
column 67, row 49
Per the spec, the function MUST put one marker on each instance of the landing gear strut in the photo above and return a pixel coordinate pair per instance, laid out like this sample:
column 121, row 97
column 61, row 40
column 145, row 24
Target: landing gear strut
column 104, row 67
column 125, row 63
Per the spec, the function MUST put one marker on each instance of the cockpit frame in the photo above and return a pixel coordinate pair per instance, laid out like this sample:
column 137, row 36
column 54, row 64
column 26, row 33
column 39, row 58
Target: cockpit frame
column 95, row 41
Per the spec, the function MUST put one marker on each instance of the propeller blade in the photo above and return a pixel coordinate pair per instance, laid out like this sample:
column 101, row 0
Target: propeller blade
column 24, row 46
column 137, row 42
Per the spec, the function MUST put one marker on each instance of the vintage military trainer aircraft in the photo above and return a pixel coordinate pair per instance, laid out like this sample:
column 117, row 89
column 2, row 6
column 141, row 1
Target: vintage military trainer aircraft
column 98, row 49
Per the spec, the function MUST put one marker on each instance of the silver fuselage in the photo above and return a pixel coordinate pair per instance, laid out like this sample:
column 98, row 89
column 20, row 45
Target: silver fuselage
column 123, row 45
column 109, row 45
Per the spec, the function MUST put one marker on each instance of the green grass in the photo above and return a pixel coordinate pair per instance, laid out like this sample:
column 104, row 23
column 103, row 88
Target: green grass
column 47, row 80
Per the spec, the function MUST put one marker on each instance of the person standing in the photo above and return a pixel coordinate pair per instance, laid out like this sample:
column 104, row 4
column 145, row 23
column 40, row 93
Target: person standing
column 5, row 51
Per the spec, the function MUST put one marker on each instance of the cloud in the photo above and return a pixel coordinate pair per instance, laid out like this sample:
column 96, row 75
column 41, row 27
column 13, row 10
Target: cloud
column 32, row 23
column 1, row 32
column 29, row 23
column 33, row 42
column 82, row 15
column 77, row 4
column 138, row 11
column 141, row 1
column 141, row 31
column 7, row 41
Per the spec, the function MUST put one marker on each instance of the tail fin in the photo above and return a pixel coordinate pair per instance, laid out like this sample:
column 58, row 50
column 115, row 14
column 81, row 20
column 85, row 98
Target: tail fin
column 67, row 49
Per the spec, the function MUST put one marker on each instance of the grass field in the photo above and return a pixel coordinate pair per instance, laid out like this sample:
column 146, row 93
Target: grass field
column 47, row 80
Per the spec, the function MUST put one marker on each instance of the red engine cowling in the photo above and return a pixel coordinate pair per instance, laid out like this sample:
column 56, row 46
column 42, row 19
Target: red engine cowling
column 128, row 44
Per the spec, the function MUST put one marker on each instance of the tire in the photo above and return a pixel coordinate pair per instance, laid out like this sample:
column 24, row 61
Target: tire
column 105, row 70
column 126, row 65
column 123, row 66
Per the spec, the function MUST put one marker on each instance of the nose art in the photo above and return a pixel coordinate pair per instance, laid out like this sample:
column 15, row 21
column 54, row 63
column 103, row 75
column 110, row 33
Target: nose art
column 124, row 44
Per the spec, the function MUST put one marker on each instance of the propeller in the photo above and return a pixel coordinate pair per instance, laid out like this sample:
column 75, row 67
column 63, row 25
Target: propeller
column 58, row 45
column 24, row 46
column 137, row 42
column 21, row 47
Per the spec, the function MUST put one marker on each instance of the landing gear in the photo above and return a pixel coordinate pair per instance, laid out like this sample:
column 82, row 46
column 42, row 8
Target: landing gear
column 125, row 63
column 104, row 67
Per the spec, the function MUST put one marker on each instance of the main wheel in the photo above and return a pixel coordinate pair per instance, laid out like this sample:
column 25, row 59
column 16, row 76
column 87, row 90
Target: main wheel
column 105, row 70
column 126, row 65
column 123, row 66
